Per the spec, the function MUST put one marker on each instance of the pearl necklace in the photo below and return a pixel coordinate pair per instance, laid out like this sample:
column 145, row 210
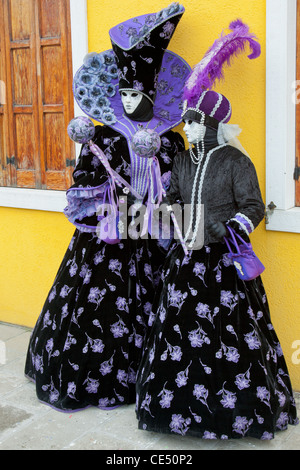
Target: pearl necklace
column 196, row 159
column 199, row 186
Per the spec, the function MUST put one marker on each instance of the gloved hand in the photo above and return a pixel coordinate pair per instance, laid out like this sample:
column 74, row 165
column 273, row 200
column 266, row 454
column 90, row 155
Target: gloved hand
column 218, row 230
column 131, row 199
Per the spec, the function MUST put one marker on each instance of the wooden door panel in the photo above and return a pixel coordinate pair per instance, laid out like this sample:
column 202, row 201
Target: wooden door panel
column 25, row 151
column 56, row 180
column 49, row 12
column 3, row 126
column 2, row 150
column 26, row 179
column 54, row 141
column 25, row 147
column 35, row 52
column 52, row 66
column 55, row 150
column 22, row 77
column 56, row 91
column 20, row 19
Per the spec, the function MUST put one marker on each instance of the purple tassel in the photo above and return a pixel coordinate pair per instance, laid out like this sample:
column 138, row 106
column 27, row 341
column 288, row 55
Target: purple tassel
column 210, row 68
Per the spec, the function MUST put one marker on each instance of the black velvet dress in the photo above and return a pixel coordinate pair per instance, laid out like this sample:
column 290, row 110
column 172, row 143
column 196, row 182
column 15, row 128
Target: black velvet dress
column 213, row 366
column 86, row 345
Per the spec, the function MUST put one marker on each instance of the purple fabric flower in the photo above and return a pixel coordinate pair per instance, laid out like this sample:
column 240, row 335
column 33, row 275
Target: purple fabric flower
column 92, row 385
column 167, row 397
column 179, row 425
column 241, row 425
column 121, row 304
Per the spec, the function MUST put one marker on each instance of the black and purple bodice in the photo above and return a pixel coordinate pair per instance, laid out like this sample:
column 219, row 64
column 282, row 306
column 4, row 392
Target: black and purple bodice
column 91, row 181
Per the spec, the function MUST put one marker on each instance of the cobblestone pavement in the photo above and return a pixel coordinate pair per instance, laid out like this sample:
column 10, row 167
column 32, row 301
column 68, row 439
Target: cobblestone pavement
column 27, row 424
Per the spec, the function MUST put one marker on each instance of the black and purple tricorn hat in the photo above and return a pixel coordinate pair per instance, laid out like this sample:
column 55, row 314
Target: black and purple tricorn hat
column 138, row 61
column 139, row 45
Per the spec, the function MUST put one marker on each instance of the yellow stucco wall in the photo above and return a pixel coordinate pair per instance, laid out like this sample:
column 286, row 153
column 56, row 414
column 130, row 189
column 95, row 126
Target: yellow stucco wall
column 33, row 242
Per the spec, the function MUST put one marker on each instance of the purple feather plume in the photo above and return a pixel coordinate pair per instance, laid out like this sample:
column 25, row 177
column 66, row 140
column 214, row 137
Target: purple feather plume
column 210, row 68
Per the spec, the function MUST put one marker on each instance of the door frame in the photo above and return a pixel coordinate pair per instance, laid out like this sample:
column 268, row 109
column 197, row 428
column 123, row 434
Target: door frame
column 51, row 200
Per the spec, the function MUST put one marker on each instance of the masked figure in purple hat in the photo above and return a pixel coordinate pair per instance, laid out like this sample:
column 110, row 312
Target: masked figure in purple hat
column 213, row 366
column 87, row 343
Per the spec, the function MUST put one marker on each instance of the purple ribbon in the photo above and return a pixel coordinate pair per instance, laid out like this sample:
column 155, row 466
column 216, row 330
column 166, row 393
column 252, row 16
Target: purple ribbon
column 114, row 175
column 154, row 177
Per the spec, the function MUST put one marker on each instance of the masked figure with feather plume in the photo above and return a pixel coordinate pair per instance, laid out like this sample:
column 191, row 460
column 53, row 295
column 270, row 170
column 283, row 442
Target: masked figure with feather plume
column 213, row 366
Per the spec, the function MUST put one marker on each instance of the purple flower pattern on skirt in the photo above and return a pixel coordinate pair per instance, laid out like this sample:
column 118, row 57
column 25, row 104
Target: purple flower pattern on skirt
column 212, row 366
column 87, row 343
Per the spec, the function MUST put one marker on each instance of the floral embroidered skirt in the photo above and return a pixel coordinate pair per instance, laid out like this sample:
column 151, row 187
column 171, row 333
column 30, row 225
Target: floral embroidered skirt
column 87, row 343
column 212, row 366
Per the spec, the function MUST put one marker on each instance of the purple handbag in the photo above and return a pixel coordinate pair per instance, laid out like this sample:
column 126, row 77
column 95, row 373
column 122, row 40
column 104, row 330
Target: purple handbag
column 247, row 264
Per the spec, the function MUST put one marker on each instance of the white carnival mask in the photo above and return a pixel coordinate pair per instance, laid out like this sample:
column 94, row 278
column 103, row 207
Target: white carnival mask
column 131, row 99
column 194, row 131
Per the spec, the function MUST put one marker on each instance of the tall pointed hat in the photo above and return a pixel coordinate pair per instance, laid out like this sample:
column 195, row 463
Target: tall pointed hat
column 139, row 45
column 139, row 60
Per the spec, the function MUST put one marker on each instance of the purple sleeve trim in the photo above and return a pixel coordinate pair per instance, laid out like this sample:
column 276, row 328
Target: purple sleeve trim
column 84, row 202
column 244, row 222
column 87, row 192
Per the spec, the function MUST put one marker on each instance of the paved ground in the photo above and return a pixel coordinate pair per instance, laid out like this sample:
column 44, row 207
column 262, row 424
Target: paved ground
column 26, row 424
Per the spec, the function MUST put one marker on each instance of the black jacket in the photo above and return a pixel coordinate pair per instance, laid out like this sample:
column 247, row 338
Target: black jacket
column 230, row 186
